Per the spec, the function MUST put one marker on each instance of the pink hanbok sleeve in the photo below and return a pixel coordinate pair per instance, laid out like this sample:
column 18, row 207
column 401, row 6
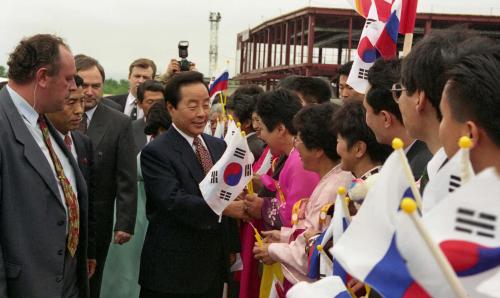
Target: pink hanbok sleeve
column 296, row 183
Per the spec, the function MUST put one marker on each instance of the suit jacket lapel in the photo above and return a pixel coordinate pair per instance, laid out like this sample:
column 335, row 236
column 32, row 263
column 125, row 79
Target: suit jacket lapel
column 79, row 147
column 32, row 151
column 187, row 154
column 97, row 126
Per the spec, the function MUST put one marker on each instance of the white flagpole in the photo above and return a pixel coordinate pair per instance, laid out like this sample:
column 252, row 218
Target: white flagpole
column 397, row 144
column 465, row 143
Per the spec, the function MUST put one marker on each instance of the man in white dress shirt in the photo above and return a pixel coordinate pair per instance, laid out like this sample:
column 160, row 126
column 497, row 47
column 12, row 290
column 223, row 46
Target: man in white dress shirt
column 139, row 71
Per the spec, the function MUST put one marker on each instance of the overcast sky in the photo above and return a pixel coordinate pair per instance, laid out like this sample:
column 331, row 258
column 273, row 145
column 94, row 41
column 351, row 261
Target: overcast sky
column 118, row 31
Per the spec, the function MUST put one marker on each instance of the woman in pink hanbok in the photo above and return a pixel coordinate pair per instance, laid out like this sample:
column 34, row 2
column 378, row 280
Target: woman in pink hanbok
column 316, row 147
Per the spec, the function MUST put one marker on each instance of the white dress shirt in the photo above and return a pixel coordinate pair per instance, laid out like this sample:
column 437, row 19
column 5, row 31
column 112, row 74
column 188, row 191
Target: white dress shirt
column 129, row 106
column 190, row 139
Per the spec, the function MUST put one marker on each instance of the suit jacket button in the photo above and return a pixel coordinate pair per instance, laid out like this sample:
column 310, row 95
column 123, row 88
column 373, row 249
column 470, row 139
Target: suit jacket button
column 59, row 279
column 61, row 222
column 60, row 252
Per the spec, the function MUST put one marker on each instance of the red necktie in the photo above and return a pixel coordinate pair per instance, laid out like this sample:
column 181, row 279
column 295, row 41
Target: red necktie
column 68, row 142
column 203, row 155
column 69, row 195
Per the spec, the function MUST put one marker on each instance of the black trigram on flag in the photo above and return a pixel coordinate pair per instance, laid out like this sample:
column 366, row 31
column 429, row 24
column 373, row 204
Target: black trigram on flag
column 214, row 178
column 455, row 182
column 368, row 22
column 363, row 74
column 248, row 170
column 474, row 222
column 225, row 195
column 240, row 153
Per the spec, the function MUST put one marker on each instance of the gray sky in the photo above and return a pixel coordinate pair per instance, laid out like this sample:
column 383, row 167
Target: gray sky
column 118, row 31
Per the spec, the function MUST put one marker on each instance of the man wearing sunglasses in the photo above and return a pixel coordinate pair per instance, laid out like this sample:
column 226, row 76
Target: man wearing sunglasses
column 384, row 117
column 423, row 76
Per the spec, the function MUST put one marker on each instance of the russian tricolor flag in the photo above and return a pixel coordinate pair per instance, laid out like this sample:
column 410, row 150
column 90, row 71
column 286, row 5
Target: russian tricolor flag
column 219, row 84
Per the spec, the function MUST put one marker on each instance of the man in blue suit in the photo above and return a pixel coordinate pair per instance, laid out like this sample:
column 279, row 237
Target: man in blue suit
column 186, row 250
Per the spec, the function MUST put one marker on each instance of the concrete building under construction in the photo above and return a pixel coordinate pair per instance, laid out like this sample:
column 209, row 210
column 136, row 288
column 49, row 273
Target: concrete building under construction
column 316, row 41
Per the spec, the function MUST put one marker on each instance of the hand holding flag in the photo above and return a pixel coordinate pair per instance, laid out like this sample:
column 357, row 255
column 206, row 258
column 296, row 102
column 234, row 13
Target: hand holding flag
column 229, row 176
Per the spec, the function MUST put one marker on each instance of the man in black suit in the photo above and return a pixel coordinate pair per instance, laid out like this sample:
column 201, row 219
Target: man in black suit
column 139, row 71
column 148, row 93
column 43, row 197
column 186, row 250
column 384, row 117
column 66, row 122
column 115, row 165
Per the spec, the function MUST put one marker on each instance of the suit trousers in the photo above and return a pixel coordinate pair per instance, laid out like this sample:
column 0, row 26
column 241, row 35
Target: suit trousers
column 96, row 280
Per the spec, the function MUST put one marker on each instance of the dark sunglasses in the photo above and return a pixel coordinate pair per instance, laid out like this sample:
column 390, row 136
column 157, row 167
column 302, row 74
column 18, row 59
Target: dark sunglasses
column 396, row 90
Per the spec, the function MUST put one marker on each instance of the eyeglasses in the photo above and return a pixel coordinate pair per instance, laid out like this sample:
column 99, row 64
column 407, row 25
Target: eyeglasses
column 397, row 89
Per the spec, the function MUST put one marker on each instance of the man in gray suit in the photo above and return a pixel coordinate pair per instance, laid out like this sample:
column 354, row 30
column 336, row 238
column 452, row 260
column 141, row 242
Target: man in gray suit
column 114, row 164
column 43, row 196
column 148, row 93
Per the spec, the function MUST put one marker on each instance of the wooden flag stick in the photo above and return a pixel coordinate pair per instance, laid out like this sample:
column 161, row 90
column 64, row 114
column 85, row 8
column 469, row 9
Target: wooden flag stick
column 319, row 247
column 407, row 44
column 408, row 205
column 465, row 143
column 222, row 103
column 397, row 144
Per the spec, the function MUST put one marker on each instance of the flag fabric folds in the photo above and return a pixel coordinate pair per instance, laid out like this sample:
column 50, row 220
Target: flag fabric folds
column 366, row 54
column 219, row 129
column 232, row 130
column 219, row 84
column 380, row 35
column 229, row 176
column 408, row 15
column 466, row 225
column 208, row 129
column 328, row 287
column 381, row 266
column 446, row 180
column 266, row 164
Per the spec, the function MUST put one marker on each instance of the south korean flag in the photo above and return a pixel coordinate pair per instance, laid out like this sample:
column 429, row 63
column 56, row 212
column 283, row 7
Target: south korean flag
column 229, row 176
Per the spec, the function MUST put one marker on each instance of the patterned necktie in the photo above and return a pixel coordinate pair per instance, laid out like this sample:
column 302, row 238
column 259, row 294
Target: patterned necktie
column 68, row 142
column 133, row 113
column 69, row 195
column 82, row 127
column 203, row 155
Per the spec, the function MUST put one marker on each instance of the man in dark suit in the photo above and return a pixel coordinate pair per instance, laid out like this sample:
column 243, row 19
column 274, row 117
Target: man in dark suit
column 148, row 93
column 139, row 71
column 384, row 117
column 186, row 250
column 115, row 166
column 66, row 122
column 43, row 197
